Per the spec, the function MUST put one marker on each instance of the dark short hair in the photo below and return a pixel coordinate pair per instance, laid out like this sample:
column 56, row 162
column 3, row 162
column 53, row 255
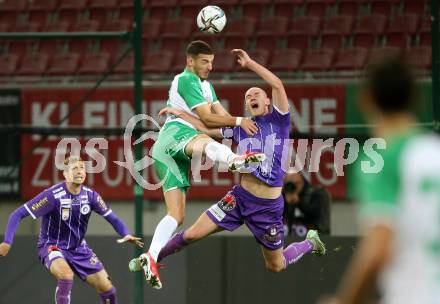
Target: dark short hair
column 391, row 83
column 198, row 47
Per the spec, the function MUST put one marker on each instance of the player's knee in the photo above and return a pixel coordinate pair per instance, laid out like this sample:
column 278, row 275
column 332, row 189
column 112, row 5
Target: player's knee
column 179, row 217
column 180, row 220
column 65, row 274
column 105, row 286
column 111, row 290
column 274, row 266
column 191, row 235
column 204, row 137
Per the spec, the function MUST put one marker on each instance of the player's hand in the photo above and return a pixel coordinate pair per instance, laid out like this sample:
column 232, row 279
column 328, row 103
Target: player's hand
column 131, row 239
column 4, row 249
column 242, row 57
column 249, row 126
column 171, row 111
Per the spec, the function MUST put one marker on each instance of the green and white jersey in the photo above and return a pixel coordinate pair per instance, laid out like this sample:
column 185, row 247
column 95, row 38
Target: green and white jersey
column 406, row 196
column 187, row 92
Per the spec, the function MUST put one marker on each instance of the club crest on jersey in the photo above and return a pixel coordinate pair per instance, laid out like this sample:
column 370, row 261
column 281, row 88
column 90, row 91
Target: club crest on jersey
column 227, row 203
column 65, row 213
column 273, row 231
column 85, row 209
column 272, row 235
column 94, row 260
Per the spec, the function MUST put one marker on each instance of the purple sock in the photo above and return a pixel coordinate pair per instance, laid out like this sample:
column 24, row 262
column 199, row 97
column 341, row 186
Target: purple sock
column 175, row 244
column 295, row 251
column 109, row 297
column 62, row 293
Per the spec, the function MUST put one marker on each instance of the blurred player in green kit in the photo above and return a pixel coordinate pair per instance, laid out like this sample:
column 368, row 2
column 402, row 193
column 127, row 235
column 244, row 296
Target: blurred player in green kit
column 400, row 205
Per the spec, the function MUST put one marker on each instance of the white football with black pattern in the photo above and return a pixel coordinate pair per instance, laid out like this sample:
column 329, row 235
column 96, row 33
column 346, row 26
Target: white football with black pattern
column 211, row 19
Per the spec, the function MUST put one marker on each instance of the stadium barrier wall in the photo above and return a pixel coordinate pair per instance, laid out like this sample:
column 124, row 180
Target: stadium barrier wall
column 343, row 218
column 215, row 270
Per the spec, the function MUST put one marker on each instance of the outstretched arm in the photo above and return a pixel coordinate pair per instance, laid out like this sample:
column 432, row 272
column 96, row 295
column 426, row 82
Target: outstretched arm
column 13, row 222
column 122, row 230
column 197, row 123
column 279, row 96
column 213, row 116
column 100, row 207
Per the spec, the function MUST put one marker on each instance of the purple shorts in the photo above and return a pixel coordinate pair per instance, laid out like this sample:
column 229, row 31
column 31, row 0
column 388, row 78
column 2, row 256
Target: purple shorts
column 263, row 217
column 82, row 260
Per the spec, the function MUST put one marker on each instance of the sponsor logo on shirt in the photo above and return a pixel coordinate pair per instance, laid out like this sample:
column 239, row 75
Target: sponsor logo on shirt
column 217, row 212
column 57, row 189
column 66, row 202
column 59, row 194
column 39, row 204
column 102, row 203
column 84, row 199
column 76, row 201
column 54, row 253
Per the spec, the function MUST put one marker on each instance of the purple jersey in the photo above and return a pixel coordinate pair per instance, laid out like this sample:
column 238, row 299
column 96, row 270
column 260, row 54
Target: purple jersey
column 65, row 215
column 272, row 139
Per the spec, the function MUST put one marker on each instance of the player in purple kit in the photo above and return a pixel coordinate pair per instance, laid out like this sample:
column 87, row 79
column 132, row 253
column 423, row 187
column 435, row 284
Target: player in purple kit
column 66, row 209
column 257, row 201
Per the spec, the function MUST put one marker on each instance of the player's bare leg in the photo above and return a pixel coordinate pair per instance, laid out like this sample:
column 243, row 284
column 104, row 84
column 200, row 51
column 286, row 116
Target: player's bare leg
column 274, row 259
column 202, row 228
column 278, row 260
column 198, row 144
column 175, row 202
column 64, row 274
column 101, row 282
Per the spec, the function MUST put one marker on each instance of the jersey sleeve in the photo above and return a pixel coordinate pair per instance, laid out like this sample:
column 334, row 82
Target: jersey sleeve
column 214, row 96
column 41, row 204
column 279, row 117
column 191, row 91
column 99, row 206
column 378, row 193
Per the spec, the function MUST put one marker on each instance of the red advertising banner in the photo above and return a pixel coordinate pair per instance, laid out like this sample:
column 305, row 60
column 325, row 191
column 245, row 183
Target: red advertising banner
column 313, row 109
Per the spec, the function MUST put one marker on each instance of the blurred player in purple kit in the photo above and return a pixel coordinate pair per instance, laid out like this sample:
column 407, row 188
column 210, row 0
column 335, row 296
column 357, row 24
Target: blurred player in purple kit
column 66, row 209
column 257, row 201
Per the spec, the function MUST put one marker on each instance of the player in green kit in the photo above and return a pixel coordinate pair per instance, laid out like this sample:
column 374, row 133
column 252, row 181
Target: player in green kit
column 179, row 140
column 400, row 204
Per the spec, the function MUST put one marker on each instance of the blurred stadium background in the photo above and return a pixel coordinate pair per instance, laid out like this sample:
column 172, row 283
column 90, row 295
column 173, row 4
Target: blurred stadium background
column 67, row 69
